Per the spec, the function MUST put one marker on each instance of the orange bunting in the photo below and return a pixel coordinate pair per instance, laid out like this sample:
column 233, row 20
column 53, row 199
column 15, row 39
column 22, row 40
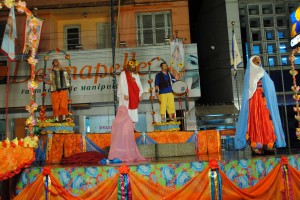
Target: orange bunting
column 124, row 169
column 213, row 164
column 284, row 160
column 46, row 171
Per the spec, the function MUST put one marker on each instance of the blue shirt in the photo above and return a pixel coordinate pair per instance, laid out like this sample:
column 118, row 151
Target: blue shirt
column 166, row 77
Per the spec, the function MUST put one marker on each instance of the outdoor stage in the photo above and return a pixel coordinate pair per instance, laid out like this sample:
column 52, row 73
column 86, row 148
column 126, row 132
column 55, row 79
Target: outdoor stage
column 227, row 175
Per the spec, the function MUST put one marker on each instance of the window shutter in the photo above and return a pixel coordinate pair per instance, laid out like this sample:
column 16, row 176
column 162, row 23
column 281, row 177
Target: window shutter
column 104, row 35
column 160, row 28
column 147, row 29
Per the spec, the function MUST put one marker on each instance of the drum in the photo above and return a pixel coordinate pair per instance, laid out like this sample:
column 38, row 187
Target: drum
column 59, row 80
column 179, row 88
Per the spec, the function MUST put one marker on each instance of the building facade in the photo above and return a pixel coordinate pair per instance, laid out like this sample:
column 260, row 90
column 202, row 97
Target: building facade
column 88, row 32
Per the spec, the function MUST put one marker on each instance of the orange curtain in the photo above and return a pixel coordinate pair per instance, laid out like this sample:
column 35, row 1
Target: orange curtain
column 13, row 159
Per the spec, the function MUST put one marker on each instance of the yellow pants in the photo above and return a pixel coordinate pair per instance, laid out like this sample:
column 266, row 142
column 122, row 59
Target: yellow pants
column 167, row 103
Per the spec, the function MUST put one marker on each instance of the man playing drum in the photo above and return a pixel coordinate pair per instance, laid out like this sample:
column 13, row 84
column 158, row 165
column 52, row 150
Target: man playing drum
column 164, row 93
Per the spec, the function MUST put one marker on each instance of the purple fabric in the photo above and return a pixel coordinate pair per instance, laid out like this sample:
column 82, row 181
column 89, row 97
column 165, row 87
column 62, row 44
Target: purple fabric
column 122, row 143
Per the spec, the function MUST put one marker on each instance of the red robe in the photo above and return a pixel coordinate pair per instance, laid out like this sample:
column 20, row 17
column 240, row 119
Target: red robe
column 133, row 91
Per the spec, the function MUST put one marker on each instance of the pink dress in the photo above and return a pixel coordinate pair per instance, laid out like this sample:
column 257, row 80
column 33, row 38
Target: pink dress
column 122, row 143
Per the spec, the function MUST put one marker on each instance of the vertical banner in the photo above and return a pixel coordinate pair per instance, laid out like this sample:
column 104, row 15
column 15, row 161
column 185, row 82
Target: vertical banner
column 236, row 59
column 177, row 57
column 32, row 21
column 10, row 34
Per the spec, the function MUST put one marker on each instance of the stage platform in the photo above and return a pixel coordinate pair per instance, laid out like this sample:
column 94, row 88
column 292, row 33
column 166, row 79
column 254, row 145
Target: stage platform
column 233, row 175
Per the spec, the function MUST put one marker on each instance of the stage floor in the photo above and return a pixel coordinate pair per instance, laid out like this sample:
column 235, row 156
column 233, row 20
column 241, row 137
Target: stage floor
column 225, row 156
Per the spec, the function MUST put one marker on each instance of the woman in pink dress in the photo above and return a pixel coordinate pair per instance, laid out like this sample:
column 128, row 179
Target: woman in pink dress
column 122, row 143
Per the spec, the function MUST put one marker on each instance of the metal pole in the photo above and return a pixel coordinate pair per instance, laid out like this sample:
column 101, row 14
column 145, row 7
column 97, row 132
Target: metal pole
column 113, row 45
column 285, row 110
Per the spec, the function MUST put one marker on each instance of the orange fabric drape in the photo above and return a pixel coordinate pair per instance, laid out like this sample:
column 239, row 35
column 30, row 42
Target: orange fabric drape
column 101, row 140
column 64, row 145
column 170, row 137
column 295, row 180
column 37, row 190
column 197, row 188
column 14, row 159
column 142, row 189
column 271, row 186
column 55, row 151
column 105, row 190
column 209, row 142
column 72, row 145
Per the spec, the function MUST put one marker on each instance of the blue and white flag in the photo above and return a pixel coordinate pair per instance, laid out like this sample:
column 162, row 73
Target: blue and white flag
column 236, row 59
column 10, row 34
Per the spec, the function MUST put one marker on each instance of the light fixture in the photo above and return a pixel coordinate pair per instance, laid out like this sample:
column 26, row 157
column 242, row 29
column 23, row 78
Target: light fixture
column 85, row 14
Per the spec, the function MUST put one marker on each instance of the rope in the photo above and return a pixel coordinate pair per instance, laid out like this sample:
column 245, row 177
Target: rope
column 6, row 104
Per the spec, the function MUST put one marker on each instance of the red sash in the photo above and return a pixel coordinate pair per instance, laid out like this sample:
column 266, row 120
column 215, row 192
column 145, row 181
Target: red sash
column 133, row 91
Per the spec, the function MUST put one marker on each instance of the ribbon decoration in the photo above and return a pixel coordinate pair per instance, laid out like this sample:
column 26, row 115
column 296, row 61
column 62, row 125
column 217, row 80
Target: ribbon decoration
column 124, row 187
column 196, row 138
column 215, row 181
column 286, row 176
column 46, row 171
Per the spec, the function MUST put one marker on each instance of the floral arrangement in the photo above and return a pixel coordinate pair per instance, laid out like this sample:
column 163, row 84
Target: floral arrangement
column 28, row 142
column 60, row 131
column 295, row 88
column 168, row 126
column 150, row 90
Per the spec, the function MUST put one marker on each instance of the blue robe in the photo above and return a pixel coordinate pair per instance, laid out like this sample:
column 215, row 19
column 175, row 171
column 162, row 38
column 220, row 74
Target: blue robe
column 272, row 105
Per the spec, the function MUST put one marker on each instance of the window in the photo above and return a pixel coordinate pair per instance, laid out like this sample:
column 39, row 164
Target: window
column 297, row 60
column 282, row 48
column 72, row 37
column 153, row 28
column 104, row 35
column 271, row 61
column 270, row 48
column 256, row 49
column 284, row 61
column 269, row 35
column 281, row 35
